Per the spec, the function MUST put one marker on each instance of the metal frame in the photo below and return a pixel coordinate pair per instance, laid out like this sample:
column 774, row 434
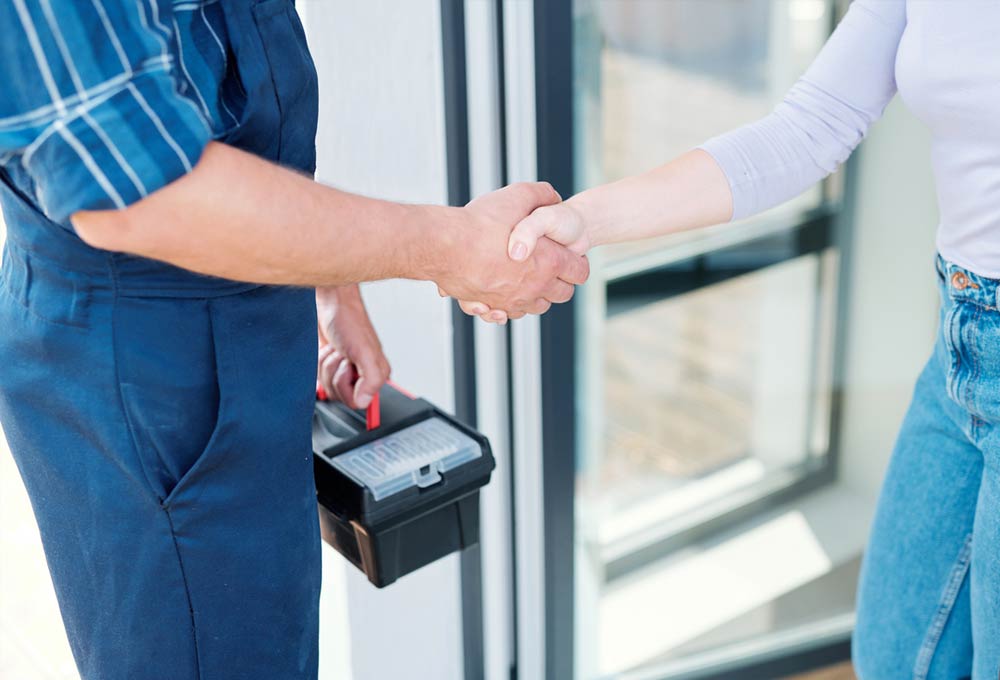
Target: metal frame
column 527, row 499
column 555, row 148
column 484, row 58
column 463, row 338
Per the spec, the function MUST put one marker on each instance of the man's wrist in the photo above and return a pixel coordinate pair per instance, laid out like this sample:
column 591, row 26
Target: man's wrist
column 431, row 236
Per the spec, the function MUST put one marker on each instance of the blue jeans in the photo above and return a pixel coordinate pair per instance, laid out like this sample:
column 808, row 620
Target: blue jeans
column 929, row 598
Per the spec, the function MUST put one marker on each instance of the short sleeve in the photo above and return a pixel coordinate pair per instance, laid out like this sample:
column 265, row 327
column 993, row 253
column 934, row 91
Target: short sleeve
column 93, row 110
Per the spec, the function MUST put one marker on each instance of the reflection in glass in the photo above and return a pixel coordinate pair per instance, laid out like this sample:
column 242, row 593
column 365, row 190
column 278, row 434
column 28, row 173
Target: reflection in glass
column 704, row 381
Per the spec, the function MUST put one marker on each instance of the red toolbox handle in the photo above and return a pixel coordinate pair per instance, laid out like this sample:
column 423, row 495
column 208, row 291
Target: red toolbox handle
column 373, row 414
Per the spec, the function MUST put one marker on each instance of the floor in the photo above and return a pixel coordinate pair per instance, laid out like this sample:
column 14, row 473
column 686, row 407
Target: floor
column 839, row 672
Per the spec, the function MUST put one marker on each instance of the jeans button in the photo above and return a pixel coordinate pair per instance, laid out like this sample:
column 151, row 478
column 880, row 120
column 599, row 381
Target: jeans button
column 959, row 281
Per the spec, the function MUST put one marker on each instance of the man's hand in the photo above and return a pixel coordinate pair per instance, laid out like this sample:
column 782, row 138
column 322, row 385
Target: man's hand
column 479, row 268
column 351, row 365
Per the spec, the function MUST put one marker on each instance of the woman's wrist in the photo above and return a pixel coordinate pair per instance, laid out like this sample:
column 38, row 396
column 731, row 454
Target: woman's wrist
column 585, row 212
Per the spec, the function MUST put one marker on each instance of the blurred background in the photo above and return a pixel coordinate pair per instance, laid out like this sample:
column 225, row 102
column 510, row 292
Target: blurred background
column 689, row 454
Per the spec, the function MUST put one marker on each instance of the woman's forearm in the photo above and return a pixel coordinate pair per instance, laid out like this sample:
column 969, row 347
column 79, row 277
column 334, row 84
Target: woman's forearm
column 688, row 192
column 814, row 129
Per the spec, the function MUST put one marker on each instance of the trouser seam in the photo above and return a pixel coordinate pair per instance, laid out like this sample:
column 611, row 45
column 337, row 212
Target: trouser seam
column 187, row 594
column 133, row 441
column 922, row 665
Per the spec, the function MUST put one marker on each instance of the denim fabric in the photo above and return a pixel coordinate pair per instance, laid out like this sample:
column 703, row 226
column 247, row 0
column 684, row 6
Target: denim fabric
column 929, row 598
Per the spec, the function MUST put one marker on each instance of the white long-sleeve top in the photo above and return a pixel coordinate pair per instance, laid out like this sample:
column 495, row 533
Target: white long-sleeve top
column 943, row 56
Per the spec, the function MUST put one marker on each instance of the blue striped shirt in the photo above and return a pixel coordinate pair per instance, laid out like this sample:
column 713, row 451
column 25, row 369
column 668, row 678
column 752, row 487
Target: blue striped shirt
column 106, row 101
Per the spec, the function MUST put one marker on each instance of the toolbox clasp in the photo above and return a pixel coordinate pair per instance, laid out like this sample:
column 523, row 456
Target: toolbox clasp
column 428, row 475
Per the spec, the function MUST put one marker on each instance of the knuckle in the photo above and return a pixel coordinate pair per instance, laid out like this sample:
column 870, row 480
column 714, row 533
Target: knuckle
column 548, row 191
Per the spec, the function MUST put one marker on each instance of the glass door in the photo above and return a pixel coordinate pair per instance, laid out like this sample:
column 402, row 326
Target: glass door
column 687, row 393
column 704, row 358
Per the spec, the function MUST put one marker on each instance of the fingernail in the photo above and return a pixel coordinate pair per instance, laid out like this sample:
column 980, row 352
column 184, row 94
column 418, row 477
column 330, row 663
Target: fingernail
column 519, row 251
column 364, row 400
column 479, row 309
column 497, row 316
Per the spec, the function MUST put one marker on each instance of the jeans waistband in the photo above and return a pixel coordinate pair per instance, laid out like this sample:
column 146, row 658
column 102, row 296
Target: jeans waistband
column 961, row 284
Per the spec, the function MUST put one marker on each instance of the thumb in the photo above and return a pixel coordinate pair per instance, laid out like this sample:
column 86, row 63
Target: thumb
column 373, row 371
column 526, row 233
column 559, row 222
column 364, row 391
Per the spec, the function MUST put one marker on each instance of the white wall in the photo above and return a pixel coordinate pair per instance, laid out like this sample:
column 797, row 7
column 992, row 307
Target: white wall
column 382, row 134
column 892, row 315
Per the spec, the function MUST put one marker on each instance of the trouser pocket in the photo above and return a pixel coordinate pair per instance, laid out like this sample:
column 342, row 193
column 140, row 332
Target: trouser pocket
column 167, row 372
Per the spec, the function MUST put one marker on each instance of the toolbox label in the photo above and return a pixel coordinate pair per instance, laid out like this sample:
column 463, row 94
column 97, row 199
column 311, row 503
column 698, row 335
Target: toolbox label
column 415, row 456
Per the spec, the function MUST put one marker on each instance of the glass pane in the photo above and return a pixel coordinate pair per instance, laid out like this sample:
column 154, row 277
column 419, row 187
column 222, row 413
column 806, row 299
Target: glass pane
column 655, row 78
column 705, row 393
column 704, row 382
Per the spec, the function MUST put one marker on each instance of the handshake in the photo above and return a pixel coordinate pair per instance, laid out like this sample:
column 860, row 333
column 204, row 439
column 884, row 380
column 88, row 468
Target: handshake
column 492, row 256
column 513, row 252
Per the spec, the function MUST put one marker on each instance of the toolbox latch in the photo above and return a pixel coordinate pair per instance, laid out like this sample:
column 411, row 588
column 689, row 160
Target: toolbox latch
column 428, row 475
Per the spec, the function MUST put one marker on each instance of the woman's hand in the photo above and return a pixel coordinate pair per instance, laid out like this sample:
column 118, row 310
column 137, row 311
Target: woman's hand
column 561, row 222
column 351, row 365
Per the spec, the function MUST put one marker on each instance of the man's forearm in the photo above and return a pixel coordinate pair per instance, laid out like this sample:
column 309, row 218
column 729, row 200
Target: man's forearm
column 239, row 217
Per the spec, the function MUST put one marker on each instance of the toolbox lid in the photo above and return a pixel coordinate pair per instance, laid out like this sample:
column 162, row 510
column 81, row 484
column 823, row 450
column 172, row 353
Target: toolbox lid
column 414, row 456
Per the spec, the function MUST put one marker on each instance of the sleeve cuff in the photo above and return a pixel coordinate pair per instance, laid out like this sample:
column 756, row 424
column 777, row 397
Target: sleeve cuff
column 724, row 150
column 111, row 154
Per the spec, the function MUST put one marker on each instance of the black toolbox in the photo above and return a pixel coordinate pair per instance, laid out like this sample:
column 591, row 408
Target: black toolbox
column 402, row 494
